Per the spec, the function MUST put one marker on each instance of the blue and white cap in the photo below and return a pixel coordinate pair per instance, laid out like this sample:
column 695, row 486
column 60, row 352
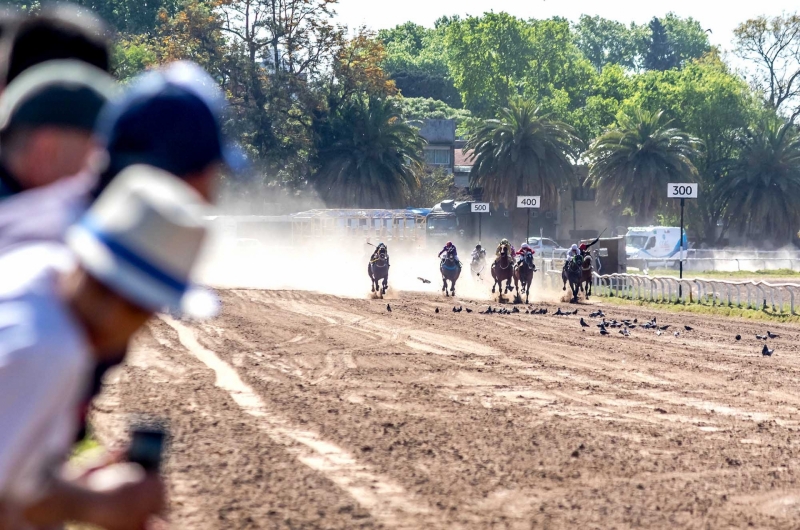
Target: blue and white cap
column 142, row 238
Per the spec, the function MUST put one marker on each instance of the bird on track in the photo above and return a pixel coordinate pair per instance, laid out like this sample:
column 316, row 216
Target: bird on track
column 574, row 312
column 388, row 308
column 583, row 323
column 658, row 333
column 625, row 332
column 597, row 314
column 604, row 332
column 635, row 320
column 771, row 335
column 677, row 334
column 766, row 352
column 437, row 310
column 423, row 280
column 559, row 313
column 761, row 337
column 738, row 337
column 632, row 326
column 527, row 312
column 687, row 328
column 515, row 310
column 469, row 310
column 455, row 309
column 664, row 328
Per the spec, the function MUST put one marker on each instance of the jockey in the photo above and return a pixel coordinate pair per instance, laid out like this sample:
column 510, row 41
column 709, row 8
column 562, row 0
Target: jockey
column 525, row 248
column 500, row 246
column 377, row 252
column 450, row 247
column 584, row 248
column 479, row 253
column 573, row 252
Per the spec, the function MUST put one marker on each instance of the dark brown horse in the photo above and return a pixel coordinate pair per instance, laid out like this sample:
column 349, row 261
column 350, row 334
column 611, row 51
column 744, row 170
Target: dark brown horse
column 523, row 273
column 586, row 275
column 572, row 273
column 503, row 270
column 451, row 270
column 378, row 271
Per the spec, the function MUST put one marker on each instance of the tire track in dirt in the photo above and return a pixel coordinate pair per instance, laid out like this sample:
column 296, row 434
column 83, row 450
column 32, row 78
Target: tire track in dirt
column 385, row 500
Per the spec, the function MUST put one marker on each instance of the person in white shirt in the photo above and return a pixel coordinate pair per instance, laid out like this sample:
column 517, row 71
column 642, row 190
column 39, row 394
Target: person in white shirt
column 64, row 308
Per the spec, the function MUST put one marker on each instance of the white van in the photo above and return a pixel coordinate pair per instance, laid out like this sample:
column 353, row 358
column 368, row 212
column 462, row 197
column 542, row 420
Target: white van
column 652, row 243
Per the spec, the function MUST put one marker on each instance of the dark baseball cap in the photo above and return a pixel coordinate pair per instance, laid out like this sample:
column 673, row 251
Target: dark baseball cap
column 66, row 93
column 170, row 118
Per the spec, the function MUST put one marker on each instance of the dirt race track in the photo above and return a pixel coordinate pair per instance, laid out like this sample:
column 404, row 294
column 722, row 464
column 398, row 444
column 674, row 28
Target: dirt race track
column 300, row 410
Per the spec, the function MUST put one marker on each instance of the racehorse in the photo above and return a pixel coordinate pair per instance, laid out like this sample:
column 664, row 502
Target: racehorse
column 572, row 273
column 523, row 272
column 478, row 265
column 503, row 270
column 450, row 271
column 378, row 271
column 586, row 275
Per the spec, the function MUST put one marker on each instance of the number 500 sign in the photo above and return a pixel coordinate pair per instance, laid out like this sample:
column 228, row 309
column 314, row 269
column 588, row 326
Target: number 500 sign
column 682, row 191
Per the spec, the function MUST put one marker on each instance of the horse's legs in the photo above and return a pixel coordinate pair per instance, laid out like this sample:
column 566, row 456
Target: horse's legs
column 444, row 285
column 453, row 287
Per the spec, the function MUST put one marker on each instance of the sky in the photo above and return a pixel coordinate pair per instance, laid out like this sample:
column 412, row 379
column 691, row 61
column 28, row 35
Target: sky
column 720, row 16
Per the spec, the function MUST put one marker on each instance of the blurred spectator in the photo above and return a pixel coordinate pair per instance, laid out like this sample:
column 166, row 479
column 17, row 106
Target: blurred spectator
column 63, row 308
column 57, row 32
column 170, row 118
column 46, row 120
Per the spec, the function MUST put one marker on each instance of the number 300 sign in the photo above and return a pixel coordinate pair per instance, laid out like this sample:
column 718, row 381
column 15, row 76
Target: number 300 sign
column 686, row 190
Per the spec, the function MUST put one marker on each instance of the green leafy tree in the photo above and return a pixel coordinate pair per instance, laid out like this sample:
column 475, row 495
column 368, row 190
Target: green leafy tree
column 608, row 42
column 687, row 38
column 369, row 156
column 431, row 109
column 660, row 53
column 523, row 152
column 708, row 101
column 489, row 58
column 632, row 164
column 762, row 193
column 416, row 61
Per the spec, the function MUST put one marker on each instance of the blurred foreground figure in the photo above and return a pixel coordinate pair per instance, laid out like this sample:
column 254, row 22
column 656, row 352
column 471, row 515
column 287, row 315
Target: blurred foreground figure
column 47, row 116
column 64, row 308
column 56, row 32
column 170, row 118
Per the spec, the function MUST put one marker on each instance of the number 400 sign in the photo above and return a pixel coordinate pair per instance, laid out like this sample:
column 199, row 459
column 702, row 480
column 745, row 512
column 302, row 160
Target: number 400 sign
column 687, row 190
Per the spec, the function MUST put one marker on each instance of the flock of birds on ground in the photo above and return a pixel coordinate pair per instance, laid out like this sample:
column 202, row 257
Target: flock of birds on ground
column 623, row 326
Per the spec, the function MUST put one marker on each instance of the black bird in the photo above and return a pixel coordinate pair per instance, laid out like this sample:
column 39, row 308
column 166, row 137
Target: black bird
column 664, row 328
column 596, row 314
column 527, row 312
column 632, row 326
column 437, row 310
column 469, row 310
column 766, row 352
column 423, row 280
column 738, row 337
column 455, row 310
column 635, row 320
column 575, row 312
column 583, row 323
column 687, row 328
column 761, row 337
column 558, row 313
column 771, row 335
column 515, row 310
column 388, row 308
column 543, row 311
column 604, row 332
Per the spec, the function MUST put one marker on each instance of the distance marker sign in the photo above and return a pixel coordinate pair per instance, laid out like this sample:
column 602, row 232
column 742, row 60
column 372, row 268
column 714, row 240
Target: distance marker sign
column 528, row 201
column 480, row 207
column 686, row 190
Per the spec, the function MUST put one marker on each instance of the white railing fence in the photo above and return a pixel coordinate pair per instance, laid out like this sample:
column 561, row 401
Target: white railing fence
column 779, row 298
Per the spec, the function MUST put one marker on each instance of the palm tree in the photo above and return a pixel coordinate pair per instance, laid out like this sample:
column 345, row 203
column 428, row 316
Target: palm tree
column 762, row 191
column 523, row 152
column 632, row 164
column 369, row 156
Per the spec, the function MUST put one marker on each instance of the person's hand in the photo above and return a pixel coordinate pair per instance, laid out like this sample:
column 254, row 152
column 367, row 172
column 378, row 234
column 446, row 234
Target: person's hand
column 128, row 497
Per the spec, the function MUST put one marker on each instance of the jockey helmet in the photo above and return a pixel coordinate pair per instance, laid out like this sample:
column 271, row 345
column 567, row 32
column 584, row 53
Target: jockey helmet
column 525, row 245
column 583, row 246
column 478, row 246
column 381, row 245
column 449, row 244
column 504, row 242
column 574, row 247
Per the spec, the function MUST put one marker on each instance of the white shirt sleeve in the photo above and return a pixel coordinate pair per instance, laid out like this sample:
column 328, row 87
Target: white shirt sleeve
column 41, row 380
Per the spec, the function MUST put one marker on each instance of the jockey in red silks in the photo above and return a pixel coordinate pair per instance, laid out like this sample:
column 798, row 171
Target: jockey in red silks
column 523, row 249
